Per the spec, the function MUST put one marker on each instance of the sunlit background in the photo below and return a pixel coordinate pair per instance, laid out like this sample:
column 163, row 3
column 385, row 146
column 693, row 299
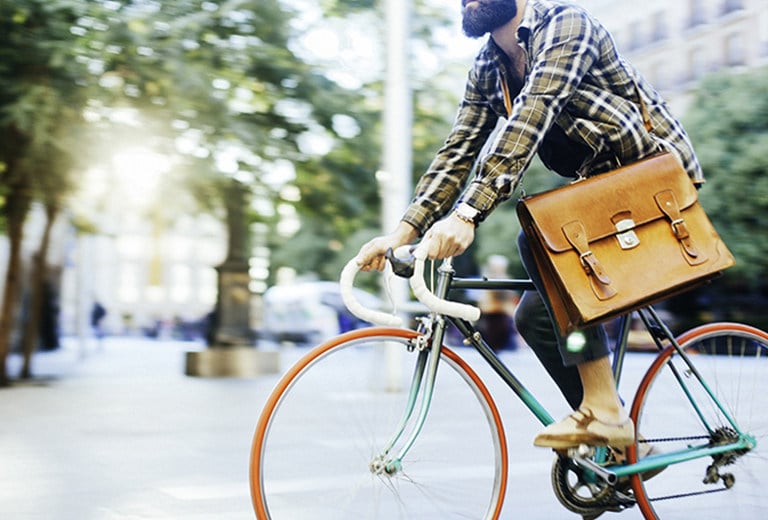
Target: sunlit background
column 202, row 170
column 137, row 235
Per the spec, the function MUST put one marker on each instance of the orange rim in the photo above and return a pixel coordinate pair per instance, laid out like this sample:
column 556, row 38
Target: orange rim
column 688, row 336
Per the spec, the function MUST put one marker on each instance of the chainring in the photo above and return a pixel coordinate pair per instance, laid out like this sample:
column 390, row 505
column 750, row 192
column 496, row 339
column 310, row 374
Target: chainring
column 581, row 494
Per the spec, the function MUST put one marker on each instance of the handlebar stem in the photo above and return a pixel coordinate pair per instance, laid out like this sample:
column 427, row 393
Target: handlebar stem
column 445, row 273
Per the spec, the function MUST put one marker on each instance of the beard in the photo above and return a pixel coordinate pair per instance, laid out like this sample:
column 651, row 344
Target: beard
column 483, row 16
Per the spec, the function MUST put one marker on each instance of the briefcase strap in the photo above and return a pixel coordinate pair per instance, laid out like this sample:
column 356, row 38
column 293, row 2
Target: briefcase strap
column 668, row 205
column 577, row 236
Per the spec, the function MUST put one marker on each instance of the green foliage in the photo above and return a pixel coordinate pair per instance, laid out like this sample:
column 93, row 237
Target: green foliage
column 42, row 94
column 346, row 7
column 340, row 202
column 728, row 124
column 498, row 234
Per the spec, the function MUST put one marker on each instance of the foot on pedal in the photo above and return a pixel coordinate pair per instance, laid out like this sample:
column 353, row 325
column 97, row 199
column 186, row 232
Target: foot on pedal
column 582, row 427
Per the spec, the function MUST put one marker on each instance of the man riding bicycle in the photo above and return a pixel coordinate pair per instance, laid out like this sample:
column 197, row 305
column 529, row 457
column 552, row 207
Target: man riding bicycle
column 573, row 100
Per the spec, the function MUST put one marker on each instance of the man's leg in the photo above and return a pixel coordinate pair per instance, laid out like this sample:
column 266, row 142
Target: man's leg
column 600, row 394
column 600, row 418
column 534, row 325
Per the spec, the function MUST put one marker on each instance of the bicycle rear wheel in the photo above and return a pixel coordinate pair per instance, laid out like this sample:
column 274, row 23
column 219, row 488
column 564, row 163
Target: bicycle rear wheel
column 733, row 361
column 335, row 410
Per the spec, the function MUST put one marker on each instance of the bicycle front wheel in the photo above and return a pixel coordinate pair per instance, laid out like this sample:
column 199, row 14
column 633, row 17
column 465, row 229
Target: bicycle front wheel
column 333, row 413
column 733, row 362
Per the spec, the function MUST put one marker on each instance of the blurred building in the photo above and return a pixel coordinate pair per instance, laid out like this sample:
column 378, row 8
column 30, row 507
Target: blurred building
column 150, row 280
column 675, row 43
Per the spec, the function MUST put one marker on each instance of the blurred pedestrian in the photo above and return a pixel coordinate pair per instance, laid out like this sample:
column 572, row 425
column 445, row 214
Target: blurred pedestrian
column 98, row 313
column 496, row 323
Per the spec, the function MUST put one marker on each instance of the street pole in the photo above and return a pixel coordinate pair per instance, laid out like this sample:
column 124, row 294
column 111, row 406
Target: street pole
column 395, row 177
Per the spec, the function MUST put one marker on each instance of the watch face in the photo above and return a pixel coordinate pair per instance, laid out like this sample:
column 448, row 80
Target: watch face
column 467, row 211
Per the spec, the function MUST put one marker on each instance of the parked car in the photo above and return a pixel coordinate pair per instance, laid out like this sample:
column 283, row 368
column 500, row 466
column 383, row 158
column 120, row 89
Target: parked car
column 310, row 312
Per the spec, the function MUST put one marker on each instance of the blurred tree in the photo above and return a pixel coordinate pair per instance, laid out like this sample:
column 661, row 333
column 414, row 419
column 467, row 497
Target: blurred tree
column 728, row 124
column 498, row 234
column 340, row 202
column 216, row 82
column 221, row 84
column 41, row 98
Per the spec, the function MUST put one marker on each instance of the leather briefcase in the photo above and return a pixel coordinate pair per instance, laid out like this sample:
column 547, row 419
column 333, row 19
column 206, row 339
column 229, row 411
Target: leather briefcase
column 621, row 240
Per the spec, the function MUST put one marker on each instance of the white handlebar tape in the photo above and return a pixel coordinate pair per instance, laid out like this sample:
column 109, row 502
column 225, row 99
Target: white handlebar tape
column 355, row 307
column 435, row 304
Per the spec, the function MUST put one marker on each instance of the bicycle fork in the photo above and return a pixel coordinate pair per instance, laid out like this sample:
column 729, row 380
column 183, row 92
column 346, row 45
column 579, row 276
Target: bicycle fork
column 422, row 386
column 428, row 345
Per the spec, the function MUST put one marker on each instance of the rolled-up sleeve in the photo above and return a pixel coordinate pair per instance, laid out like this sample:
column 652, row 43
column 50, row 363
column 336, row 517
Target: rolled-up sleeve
column 445, row 179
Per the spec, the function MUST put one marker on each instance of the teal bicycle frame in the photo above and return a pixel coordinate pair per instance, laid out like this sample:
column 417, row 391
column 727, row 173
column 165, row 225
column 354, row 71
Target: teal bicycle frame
column 429, row 344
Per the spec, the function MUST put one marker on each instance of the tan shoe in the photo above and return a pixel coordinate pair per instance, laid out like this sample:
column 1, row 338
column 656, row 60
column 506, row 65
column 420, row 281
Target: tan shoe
column 582, row 427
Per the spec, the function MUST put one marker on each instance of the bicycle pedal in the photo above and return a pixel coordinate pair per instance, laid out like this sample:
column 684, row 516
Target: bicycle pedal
column 582, row 451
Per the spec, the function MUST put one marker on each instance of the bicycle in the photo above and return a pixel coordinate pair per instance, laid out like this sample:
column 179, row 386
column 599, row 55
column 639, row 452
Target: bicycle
column 334, row 441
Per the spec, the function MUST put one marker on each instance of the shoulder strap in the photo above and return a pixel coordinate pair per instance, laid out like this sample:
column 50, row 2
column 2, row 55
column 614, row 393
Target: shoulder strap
column 507, row 98
column 643, row 108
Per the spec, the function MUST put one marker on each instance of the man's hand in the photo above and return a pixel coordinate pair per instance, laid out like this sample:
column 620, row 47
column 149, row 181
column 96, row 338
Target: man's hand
column 449, row 237
column 371, row 255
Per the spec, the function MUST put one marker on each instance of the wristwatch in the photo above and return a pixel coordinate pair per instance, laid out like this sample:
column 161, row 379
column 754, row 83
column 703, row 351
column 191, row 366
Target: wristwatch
column 467, row 213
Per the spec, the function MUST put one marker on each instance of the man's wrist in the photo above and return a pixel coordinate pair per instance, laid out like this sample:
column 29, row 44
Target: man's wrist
column 467, row 213
column 406, row 231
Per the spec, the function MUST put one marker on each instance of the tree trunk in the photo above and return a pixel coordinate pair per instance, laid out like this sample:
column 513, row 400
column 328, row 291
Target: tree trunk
column 16, row 208
column 38, row 276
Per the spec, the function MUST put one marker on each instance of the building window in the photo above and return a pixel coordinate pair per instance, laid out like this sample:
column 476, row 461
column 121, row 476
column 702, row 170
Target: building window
column 634, row 36
column 697, row 64
column 181, row 283
column 734, row 50
column 697, row 13
column 763, row 31
column 660, row 31
column 207, row 289
column 129, row 284
column 656, row 73
column 730, row 6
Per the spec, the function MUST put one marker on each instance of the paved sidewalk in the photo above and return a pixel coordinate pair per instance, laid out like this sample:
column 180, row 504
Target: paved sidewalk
column 121, row 433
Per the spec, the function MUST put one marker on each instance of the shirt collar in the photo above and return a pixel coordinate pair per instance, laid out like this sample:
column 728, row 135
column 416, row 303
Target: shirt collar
column 527, row 23
column 529, row 20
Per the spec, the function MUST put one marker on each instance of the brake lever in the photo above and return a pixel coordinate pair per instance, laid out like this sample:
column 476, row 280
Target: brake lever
column 402, row 267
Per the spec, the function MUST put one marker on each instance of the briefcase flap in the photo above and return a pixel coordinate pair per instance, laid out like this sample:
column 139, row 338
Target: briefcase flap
column 611, row 203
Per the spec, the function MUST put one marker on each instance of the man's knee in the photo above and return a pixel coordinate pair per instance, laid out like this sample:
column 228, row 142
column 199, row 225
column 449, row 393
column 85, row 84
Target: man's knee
column 532, row 320
column 522, row 320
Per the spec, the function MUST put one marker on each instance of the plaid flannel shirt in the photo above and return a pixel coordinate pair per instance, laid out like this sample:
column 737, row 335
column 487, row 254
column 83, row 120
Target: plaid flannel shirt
column 574, row 77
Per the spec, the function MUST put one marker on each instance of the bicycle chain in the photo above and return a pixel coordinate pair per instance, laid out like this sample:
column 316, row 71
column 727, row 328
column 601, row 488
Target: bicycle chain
column 674, row 439
column 686, row 495
column 682, row 495
column 608, row 501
